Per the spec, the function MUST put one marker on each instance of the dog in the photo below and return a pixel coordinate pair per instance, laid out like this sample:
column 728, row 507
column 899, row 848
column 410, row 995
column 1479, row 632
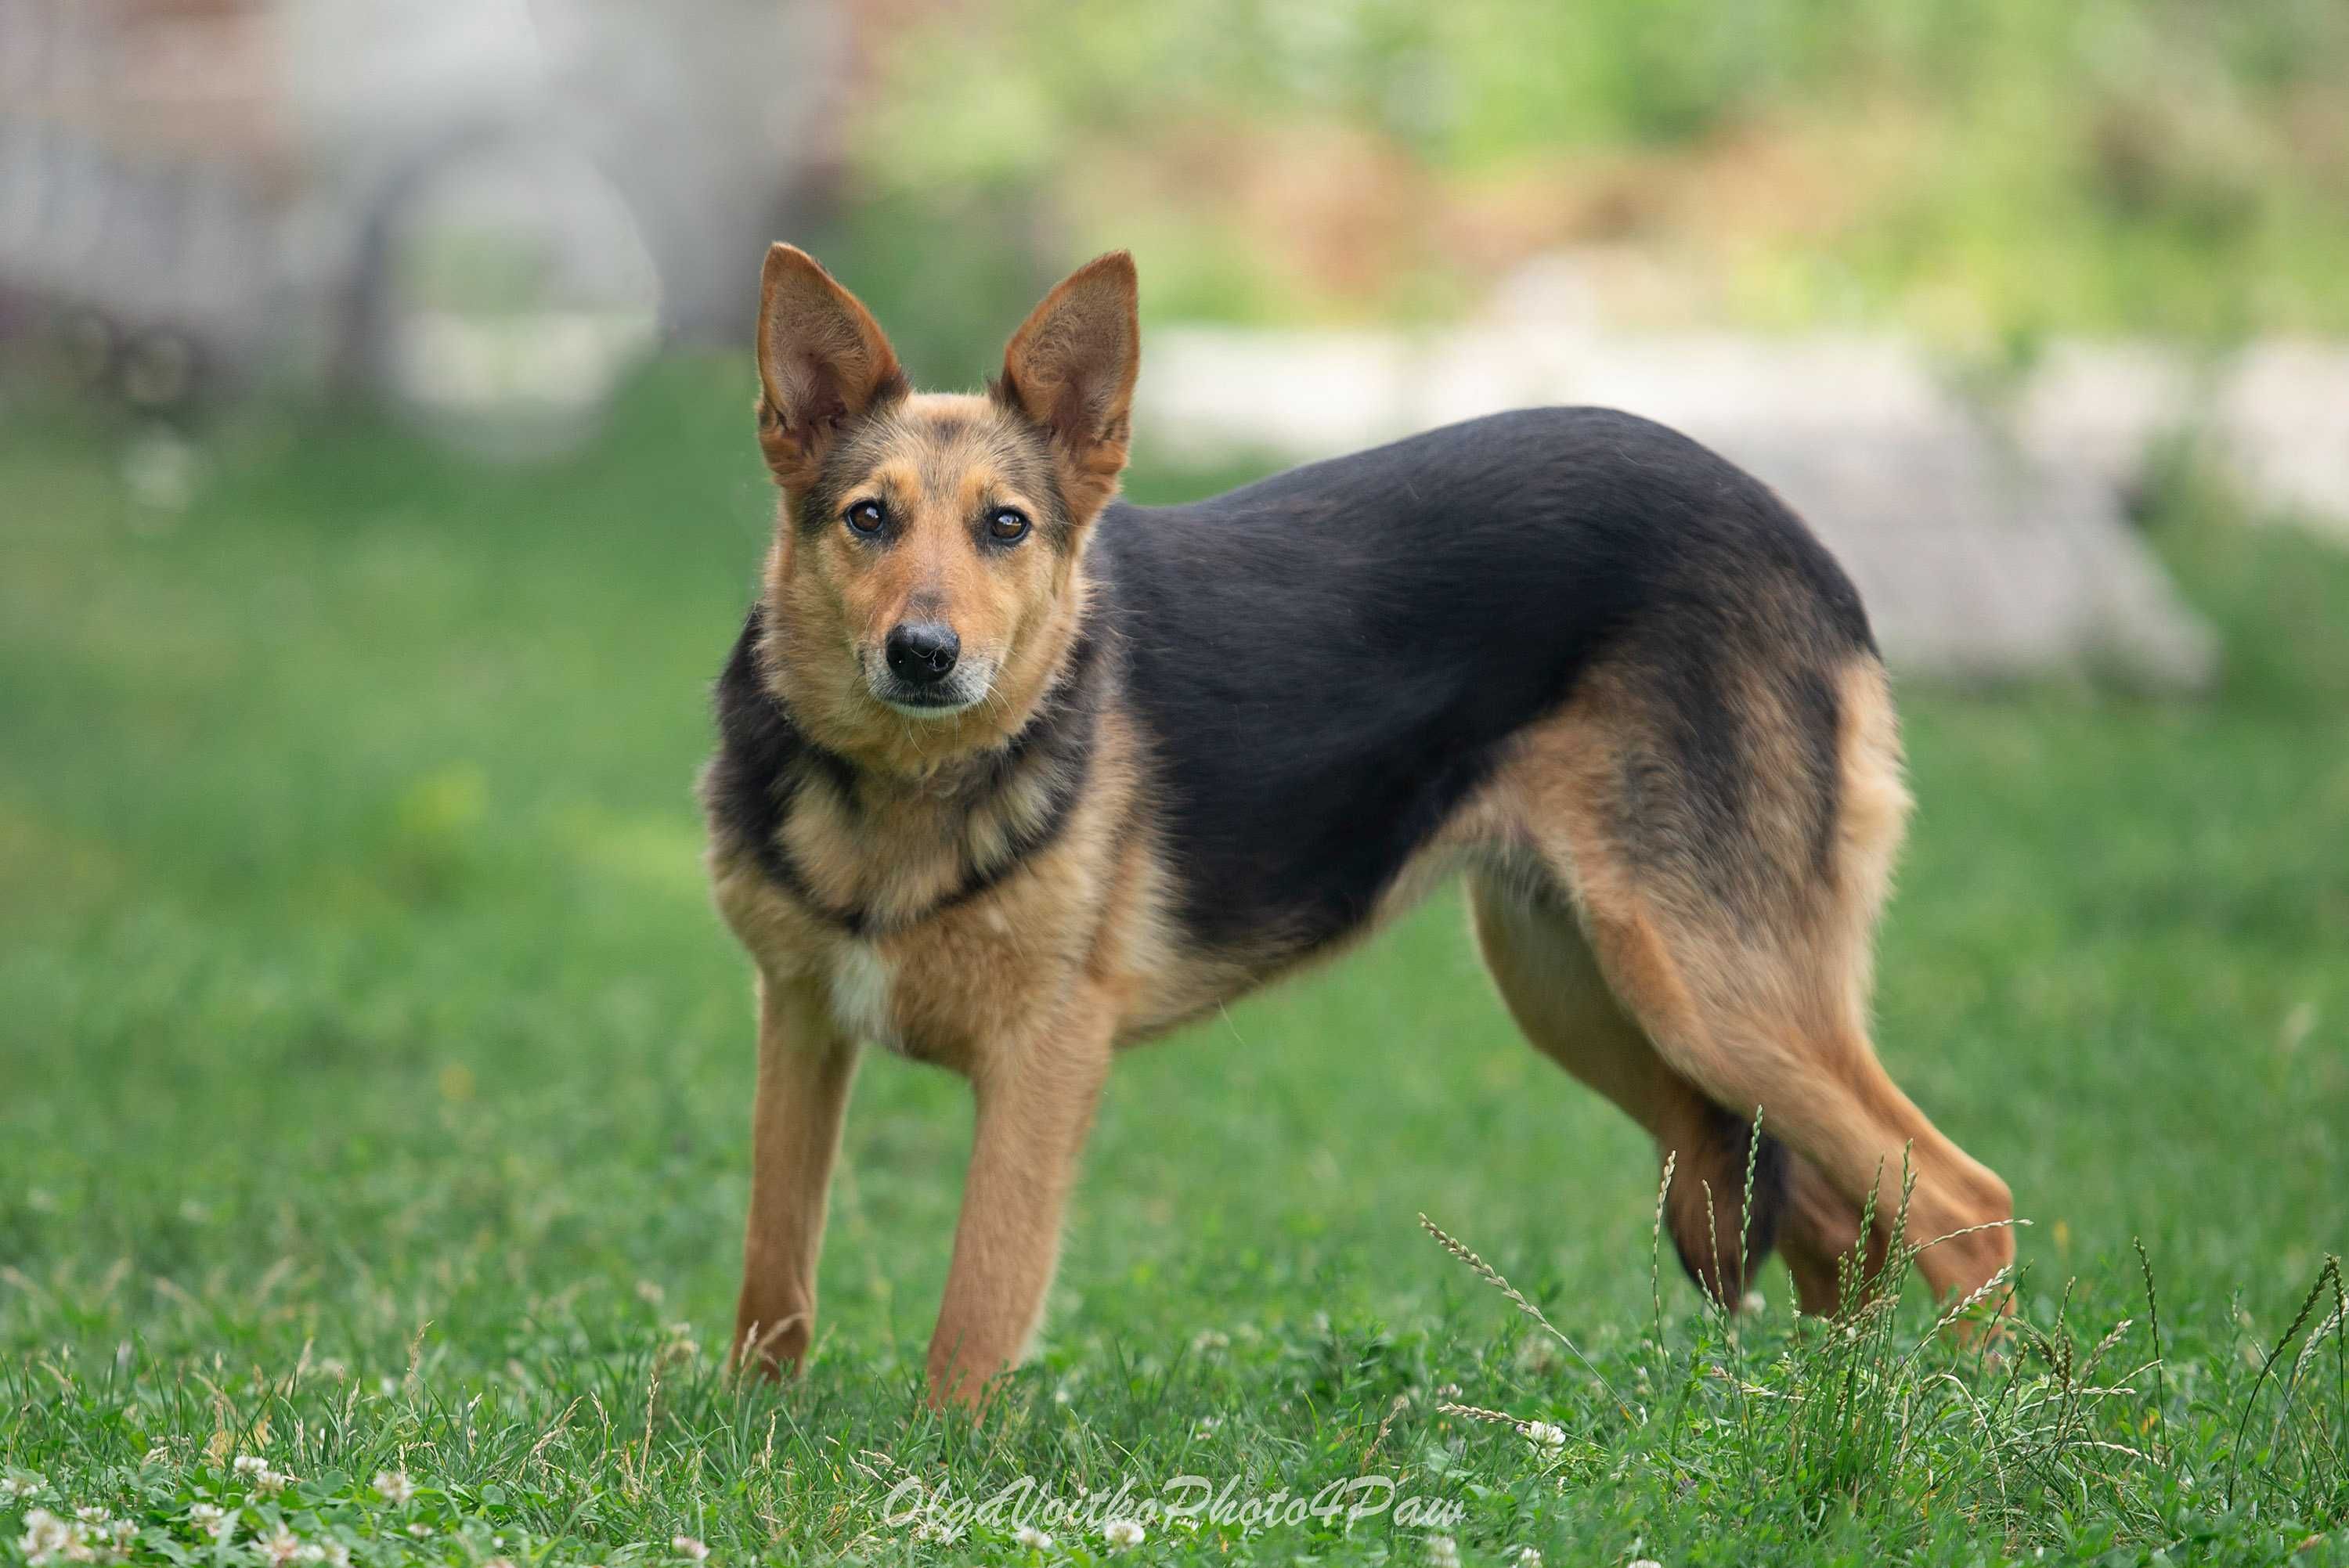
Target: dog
column 1012, row 774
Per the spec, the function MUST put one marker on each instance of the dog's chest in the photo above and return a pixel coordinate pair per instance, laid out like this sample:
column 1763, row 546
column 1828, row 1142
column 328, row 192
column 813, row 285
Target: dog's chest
column 861, row 983
column 932, row 995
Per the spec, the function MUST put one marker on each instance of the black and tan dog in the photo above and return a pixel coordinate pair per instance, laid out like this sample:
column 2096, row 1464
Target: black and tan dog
column 1013, row 774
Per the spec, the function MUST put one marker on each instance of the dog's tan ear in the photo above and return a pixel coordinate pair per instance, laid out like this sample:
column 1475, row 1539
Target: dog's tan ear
column 822, row 361
column 1070, row 368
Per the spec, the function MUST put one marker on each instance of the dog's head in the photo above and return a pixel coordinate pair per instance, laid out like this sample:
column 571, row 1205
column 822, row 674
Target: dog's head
column 925, row 582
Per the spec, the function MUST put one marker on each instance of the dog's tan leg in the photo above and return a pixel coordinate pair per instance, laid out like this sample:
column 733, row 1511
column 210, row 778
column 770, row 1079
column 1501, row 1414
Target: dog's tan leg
column 1551, row 984
column 1826, row 1093
column 1036, row 1102
column 805, row 1068
column 1548, row 978
column 1822, row 1239
column 1545, row 973
column 1746, row 963
column 1750, row 1026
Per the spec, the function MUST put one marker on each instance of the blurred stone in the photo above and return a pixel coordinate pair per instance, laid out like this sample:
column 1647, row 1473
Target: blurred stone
column 1981, row 566
column 2281, row 419
column 1979, row 561
column 2271, row 417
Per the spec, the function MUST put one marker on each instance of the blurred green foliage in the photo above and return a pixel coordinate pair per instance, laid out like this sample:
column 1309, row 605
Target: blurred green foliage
column 1973, row 170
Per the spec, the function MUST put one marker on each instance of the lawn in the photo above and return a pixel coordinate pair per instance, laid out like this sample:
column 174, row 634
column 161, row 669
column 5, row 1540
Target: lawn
column 374, row 1085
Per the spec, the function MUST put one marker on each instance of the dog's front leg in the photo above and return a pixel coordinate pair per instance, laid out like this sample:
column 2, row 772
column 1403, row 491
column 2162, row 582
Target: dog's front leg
column 1036, row 1103
column 805, row 1068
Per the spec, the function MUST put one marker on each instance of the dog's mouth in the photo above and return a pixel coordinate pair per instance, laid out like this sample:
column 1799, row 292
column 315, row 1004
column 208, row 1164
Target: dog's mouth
column 964, row 688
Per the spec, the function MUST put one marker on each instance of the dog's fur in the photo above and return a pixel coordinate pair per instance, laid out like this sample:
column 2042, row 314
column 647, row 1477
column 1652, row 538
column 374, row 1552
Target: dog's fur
column 1567, row 650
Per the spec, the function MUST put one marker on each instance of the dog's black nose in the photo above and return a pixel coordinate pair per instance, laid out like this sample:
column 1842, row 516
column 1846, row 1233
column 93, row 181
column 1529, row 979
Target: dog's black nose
column 922, row 652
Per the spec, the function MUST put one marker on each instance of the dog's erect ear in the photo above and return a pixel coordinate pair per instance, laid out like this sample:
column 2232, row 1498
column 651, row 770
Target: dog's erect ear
column 1070, row 368
column 822, row 362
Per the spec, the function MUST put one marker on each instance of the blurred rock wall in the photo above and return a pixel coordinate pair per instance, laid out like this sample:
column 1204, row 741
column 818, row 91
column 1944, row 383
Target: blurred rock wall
column 1991, row 540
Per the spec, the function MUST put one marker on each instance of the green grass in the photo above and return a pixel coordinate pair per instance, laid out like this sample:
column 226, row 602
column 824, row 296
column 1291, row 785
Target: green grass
column 374, row 1083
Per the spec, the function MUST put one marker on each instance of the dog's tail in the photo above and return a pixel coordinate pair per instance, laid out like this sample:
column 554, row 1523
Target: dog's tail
column 1729, row 1190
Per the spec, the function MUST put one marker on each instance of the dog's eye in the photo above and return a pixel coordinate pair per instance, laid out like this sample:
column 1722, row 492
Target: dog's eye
column 866, row 517
column 1007, row 523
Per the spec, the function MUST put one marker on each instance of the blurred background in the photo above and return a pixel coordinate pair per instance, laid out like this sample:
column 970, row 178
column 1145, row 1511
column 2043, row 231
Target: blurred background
column 1962, row 279
column 378, row 497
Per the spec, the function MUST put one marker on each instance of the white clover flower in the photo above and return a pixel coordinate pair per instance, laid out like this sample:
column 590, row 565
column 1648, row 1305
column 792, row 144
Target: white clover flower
column 419, row 1530
column 1528, row 1558
column 337, row 1555
column 21, row 1484
column 205, row 1515
column 1121, row 1534
column 96, row 1516
column 1207, row 1341
column 937, row 1529
column 311, row 1553
column 46, row 1535
column 1543, row 1433
column 1033, row 1539
column 250, row 1464
column 395, row 1488
column 281, row 1547
column 1443, row 1551
column 687, row 1546
column 271, row 1481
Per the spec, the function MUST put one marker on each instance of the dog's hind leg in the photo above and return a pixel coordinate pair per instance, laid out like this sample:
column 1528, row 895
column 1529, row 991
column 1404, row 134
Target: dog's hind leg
column 1832, row 1255
column 1545, row 973
column 1543, row 966
column 1736, row 929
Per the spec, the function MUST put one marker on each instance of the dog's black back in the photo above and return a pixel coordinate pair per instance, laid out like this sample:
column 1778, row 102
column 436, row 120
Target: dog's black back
column 1326, row 661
